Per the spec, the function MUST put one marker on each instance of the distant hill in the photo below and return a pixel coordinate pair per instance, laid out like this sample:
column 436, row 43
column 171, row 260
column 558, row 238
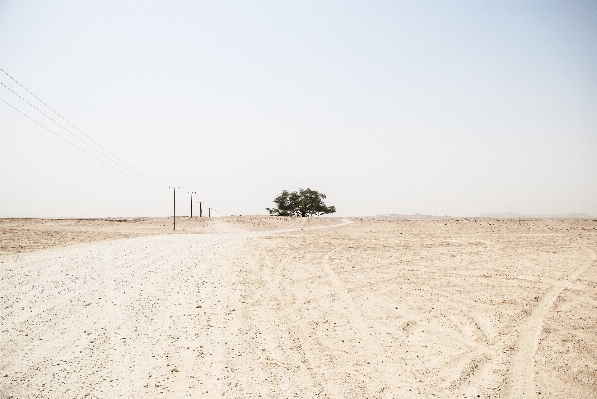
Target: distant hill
column 536, row 216
column 506, row 215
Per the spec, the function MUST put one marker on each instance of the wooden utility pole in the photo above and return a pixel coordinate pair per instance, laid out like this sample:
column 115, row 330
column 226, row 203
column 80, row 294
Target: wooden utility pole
column 200, row 210
column 192, row 192
column 209, row 212
column 174, row 224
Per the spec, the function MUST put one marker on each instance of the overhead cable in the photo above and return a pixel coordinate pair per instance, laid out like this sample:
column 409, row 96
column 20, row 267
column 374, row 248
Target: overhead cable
column 81, row 149
column 72, row 134
column 115, row 158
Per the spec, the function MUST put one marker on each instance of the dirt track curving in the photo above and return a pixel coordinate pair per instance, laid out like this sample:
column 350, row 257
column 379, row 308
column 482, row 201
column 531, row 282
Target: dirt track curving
column 449, row 309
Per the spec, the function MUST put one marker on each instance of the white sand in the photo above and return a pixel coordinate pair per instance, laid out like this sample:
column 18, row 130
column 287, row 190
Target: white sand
column 446, row 309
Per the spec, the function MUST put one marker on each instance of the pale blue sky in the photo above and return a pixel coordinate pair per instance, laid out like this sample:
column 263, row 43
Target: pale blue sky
column 457, row 108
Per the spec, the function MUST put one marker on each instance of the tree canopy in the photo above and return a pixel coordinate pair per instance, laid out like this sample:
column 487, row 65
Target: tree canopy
column 301, row 203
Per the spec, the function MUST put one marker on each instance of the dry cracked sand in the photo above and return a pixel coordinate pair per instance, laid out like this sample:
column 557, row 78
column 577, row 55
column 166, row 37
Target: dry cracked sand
column 277, row 308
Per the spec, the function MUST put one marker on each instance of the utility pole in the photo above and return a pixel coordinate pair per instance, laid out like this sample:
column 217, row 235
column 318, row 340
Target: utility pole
column 209, row 212
column 200, row 210
column 193, row 192
column 174, row 228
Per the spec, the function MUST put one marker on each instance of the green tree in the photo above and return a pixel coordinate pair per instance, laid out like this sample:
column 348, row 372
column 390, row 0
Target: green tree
column 302, row 203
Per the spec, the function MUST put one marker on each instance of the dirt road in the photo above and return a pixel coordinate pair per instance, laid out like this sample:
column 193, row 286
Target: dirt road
column 370, row 309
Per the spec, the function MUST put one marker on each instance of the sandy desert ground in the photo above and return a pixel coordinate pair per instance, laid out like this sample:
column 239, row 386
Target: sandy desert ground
column 270, row 307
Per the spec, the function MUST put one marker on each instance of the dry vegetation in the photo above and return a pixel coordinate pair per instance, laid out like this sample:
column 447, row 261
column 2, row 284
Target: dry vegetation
column 261, row 223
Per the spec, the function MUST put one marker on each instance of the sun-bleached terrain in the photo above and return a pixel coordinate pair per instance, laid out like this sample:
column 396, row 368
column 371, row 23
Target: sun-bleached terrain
column 277, row 307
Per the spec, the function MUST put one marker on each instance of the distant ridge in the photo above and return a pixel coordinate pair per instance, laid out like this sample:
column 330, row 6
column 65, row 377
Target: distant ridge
column 506, row 215
column 535, row 216
column 416, row 216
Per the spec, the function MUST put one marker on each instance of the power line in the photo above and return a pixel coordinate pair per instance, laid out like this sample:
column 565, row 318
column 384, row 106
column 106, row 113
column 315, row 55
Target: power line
column 72, row 134
column 115, row 159
column 123, row 167
column 77, row 147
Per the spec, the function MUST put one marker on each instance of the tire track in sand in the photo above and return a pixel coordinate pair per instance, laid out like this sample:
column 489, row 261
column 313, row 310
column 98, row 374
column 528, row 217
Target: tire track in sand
column 384, row 379
column 520, row 382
